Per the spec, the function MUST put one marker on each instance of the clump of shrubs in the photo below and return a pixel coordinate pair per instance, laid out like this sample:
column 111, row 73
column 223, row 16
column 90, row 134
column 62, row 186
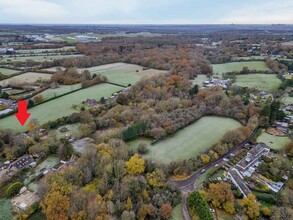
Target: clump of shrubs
column 142, row 148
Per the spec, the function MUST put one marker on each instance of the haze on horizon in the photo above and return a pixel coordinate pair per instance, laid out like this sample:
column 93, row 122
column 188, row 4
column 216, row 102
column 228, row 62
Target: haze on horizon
column 146, row 12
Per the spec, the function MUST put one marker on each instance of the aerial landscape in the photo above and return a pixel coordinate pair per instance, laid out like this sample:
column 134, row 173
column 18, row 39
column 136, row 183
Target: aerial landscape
column 179, row 110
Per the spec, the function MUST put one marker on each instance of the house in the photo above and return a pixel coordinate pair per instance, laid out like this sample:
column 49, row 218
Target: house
column 91, row 102
column 22, row 162
column 64, row 129
column 247, row 164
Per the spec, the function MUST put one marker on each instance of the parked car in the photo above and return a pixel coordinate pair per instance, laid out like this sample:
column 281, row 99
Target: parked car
column 203, row 170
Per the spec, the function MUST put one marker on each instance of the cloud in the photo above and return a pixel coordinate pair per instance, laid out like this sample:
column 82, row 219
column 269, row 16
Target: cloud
column 262, row 12
column 31, row 9
column 75, row 11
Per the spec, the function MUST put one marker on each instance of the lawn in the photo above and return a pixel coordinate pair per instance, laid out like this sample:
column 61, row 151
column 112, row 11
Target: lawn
column 39, row 58
column 274, row 142
column 29, row 77
column 190, row 141
column 124, row 74
column 50, row 162
column 177, row 213
column 199, row 80
column 73, row 131
column 8, row 72
column 5, row 209
column 219, row 69
column 262, row 82
column 287, row 100
column 60, row 107
column 62, row 89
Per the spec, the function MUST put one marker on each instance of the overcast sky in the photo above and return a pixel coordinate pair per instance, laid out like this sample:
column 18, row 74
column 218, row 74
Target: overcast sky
column 147, row 11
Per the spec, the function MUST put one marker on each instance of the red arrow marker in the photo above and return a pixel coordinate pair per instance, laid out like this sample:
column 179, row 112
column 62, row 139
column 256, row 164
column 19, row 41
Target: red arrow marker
column 22, row 115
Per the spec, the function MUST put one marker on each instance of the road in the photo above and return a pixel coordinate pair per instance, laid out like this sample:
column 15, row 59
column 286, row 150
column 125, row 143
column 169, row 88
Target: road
column 188, row 184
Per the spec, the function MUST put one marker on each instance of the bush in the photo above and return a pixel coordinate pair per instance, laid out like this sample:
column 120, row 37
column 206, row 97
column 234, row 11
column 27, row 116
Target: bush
column 142, row 148
column 13, row 189
column 265, row 197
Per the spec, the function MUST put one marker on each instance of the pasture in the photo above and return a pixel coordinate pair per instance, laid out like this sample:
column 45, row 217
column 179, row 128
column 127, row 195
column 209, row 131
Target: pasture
column 61, row 90
column 60, row 107
column 5, row 209
column 190, row 141
column 262, row 82
column 199, row 80
column 36, row 58
column 29, row 77
column 39, row 51
column 287, row 100
column 124, row 74
column 8, row 72
column 219, row 69
column 274, row 142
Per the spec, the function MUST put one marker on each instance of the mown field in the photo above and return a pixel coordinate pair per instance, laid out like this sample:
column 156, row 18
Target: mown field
column 29, row 77
column 60, row 107
column 219, row 69
column 36, row 51
column 5, row 209
column 8, row 71
column 124, row 74
column 266, row 82
column 287, row 100
column 39, row 58
column 190, row 141
column 177, row 213
column 62, row 89
column 272, row 141
column 199, row 80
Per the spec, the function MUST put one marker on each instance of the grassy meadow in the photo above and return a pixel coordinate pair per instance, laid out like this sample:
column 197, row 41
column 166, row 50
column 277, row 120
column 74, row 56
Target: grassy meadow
column 199, row 80
column 36, row 58
column 29, row 77
column 62, row 89
column 190, row 141
column 272, row 141
column 263, row 82
column 60, row 107
column 124, row 74
column 8, row 72
column 219, row 69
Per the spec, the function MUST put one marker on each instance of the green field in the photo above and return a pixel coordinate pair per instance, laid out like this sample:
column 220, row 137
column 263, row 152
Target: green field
column 262, row 82
column 38, row 51
column 190, row 141
column 29, row 77
column 60, row 107
column 123, row 73
column 62, row 89
column 8, row 72
column 219, row 69
column 272, row 141
column 177, row 213
column 199, row 80
column 5, row 209
column 9, row 59
column 287, row 100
